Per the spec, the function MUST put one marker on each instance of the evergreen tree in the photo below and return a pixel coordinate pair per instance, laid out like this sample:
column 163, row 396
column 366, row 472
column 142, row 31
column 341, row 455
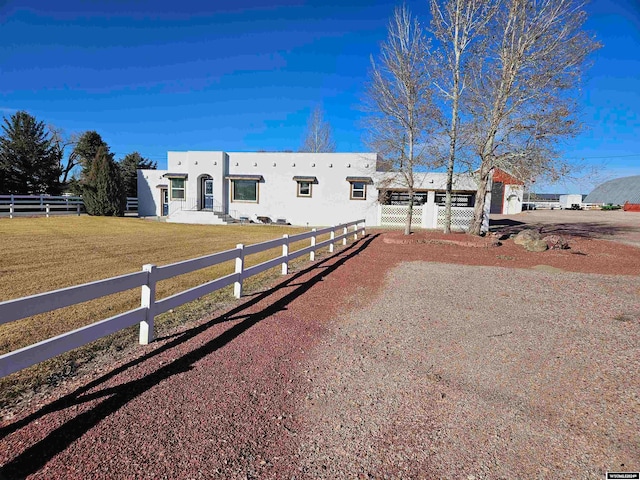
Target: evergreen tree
column 29, row 162
column 86, row 149
column 128, row 168
column 103, row 193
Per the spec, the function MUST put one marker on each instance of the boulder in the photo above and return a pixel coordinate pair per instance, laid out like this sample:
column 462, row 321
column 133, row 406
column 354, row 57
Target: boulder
column 556, row 242
column 525, row 236
column 535, row 245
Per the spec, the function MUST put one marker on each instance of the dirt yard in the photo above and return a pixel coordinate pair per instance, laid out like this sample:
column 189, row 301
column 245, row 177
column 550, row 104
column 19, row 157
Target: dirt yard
column 608, row 225
column 430, row 357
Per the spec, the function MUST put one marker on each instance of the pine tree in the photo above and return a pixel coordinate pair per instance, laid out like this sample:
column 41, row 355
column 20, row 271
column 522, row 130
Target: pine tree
column 128, row 168
column 86, row 150
column 103, row 193
column 29, row 163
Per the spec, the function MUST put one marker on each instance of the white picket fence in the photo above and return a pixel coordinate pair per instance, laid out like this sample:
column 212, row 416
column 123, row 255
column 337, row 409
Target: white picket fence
column 16, row 205
column 150, row 307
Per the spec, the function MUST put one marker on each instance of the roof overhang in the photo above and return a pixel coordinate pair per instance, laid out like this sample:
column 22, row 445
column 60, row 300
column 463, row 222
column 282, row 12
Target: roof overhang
column 367, row 180
column 162, row 185
column 176, row 175
column 257, row 178
column 303, row 178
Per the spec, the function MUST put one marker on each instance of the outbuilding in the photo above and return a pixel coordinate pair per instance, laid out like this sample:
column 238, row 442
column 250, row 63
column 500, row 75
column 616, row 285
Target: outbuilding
column 623, row 191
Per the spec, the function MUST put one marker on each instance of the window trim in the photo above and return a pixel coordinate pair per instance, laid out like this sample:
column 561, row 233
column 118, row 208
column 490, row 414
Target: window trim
column 352, row 190
column 255, row 181
column 299, row 185
column 172, row 188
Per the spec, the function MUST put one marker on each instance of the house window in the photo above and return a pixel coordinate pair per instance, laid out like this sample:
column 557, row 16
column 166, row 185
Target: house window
column 177, row 188
column 244, row 191
column 304, row 189
column 358, row 191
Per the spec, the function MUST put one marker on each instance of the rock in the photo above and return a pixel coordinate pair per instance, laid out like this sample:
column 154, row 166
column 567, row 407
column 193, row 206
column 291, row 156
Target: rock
column 535, row 245
column 525, row 236
column 556, row 242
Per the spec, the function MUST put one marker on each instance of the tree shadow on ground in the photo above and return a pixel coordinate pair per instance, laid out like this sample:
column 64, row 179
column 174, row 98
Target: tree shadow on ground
column 577, row 229
column 35, row 457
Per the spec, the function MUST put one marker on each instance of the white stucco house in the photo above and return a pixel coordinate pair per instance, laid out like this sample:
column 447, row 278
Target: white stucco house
column 314, row 189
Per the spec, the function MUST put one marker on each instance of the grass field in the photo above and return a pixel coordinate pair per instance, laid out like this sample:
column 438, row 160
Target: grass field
column 42, row 254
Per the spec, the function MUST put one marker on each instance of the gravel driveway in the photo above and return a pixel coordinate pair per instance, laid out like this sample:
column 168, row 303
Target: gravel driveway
column 479, row 372
column 375, row 363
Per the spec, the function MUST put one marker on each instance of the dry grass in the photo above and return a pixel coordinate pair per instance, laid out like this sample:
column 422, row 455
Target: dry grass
column 42, row 254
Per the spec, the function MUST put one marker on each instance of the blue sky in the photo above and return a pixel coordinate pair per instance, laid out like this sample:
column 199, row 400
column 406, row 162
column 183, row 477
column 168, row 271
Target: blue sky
column 160, row 75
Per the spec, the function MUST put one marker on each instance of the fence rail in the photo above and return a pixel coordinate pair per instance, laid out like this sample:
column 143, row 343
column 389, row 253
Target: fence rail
column 16, row 205
column 146, row 279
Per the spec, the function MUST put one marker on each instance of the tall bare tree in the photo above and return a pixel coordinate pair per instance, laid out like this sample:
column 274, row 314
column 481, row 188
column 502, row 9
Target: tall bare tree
column 522, row 97
column 61, row 142
column 318, row 137
column 398, row 101
column 457, row 26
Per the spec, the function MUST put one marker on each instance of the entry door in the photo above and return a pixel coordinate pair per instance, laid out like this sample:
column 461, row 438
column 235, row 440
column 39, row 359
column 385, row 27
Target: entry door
column 208, row 194
column 164, row 197
column 497, row 197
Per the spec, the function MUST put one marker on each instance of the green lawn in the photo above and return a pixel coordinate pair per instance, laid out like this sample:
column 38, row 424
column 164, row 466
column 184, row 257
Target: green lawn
column 42, row 254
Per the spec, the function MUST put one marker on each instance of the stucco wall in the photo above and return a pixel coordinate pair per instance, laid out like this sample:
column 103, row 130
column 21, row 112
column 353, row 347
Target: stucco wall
column 330, row 201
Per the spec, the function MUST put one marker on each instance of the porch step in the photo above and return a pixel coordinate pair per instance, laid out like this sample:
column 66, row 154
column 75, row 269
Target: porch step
column 226, row 218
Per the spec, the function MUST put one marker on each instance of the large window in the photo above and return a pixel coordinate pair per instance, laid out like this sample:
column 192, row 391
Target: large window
column 177, row 188
column 358, row 191
column 244, row 191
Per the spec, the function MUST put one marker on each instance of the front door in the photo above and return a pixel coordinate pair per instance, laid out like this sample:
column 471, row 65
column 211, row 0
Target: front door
column 208, row 194
column 497, row 197
column 164, row 200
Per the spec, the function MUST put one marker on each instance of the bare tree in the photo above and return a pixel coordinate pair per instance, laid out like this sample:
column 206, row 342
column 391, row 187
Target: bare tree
column 398, row 101
column 522, row 97
column 318, row 137
column 61, row 141
column 457, row 26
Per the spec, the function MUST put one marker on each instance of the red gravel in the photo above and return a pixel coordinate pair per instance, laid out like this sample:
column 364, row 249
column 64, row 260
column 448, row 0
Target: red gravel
column 229, row 397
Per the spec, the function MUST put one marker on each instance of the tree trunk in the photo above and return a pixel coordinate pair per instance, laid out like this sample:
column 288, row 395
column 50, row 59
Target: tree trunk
column 478, row 212
column 453, row 133
column 407, row 226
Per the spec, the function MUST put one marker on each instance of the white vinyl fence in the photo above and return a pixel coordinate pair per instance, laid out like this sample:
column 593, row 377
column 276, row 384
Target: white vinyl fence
column 461, row 218
column 30, row 205
column 396, row 215
column 146, row 279
column 425, row 216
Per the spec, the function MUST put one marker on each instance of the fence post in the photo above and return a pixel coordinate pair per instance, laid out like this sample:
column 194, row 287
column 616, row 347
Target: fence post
column 237, row 286
column 11, row 210
column 41, row 201
column 312, row 254
column 364, row 228
column 345, row 231
column 48, row 209
column 148, row 300
column 78, row 208
column 333, row 238
column 355, row 232
column 285, row 254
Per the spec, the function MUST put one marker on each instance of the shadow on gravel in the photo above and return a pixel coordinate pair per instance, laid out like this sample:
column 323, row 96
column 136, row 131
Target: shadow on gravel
column 35, row 457
column 577, row 229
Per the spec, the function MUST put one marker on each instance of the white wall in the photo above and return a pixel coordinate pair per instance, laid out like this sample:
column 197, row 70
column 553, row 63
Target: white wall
column 149, row 193
column 329, row 203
